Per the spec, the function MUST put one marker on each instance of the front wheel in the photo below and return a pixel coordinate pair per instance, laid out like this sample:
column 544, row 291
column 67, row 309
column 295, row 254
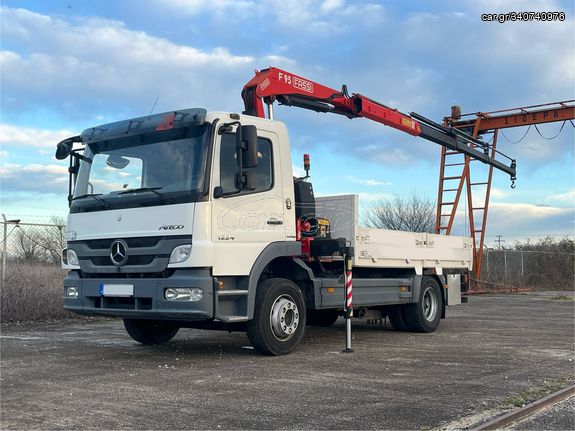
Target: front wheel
column 150, row 331
column 279, row 317
column 424, row 316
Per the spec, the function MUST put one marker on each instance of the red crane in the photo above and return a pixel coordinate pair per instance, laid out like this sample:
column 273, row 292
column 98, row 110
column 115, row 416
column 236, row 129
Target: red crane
column 273, row 84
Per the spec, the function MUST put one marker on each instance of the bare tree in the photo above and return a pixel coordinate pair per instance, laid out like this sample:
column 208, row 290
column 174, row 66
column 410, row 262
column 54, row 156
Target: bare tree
column 412, row 214
column 40, row 243
column 52, row 239
column 27, row 249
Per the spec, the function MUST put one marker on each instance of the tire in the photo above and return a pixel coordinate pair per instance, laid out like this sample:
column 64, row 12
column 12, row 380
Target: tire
column 464, row 294
column 150, row 331
column 424, row 316
column 321, row 317
column 397, row 319
column 279, row 318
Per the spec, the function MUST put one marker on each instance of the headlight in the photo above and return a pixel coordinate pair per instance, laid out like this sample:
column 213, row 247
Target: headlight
column 180, row 253
column 72, row 258
column 191, row 294
column 72, row 292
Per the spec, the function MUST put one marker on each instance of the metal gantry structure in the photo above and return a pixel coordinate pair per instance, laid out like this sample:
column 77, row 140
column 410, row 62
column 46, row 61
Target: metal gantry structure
column 451, row 185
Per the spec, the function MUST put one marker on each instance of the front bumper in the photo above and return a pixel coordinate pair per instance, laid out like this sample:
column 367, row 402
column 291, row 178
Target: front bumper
column 148, row 299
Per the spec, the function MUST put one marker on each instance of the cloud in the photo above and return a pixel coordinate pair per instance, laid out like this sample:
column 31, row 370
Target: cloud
column 298, row 171
column 310, row 17
column 49, row 178
column 331, row 5
column 195, row 7
column 19, row 136
column 567, row 197
column 520, row 220
column 369, row 182
column 83, row 68
column 363, row 196
column 527, row 210
column 79, row 68
column 371, row 197
column 516, row 219
column 498, row 193
column 332, row 16
column 511, row 64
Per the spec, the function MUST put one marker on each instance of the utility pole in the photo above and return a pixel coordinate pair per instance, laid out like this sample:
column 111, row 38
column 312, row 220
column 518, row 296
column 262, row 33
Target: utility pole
column 4, row 240
column 4, row 247
column 499, row 241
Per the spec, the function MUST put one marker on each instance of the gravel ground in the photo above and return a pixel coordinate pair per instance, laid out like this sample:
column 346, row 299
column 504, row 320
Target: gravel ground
column 560, row 416
column 92, row 375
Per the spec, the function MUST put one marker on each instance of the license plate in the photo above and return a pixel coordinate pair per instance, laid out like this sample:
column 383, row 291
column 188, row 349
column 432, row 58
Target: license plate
column 116, row 290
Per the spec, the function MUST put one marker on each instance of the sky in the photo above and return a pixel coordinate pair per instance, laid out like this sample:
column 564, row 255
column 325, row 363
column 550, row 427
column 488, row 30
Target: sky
column 69, row 65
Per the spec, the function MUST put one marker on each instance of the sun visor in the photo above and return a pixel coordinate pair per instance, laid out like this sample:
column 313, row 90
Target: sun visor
column 147, row 124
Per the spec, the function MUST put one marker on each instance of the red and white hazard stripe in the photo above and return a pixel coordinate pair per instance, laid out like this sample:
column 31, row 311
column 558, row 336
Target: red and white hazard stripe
column 348, row 292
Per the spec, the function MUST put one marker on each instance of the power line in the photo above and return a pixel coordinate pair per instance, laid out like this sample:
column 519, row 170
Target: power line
column 553, row 137
column 520, row 139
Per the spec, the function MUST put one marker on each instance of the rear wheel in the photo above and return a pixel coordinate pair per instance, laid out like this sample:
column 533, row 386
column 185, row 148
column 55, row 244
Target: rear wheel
column 397, row 318
column 279, row 317
column 424, row 316
column 150, row 331
column 321, row 317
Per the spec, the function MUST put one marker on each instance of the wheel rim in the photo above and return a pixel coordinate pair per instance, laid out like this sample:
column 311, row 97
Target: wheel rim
column 430, row 304
column 284, row 317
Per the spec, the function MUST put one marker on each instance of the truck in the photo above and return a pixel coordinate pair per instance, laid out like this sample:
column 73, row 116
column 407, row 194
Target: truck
column 194, row 219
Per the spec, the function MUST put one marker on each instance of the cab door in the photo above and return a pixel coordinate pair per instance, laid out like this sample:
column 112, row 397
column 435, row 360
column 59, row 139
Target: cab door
column 244, row 223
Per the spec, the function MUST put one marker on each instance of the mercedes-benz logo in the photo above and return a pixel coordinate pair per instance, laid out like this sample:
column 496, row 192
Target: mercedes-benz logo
column 119, row 252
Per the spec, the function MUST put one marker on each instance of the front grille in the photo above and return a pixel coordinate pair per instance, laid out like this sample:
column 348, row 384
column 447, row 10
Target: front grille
column 131, row 303
column 144, row 254
column 132, row 260
column 147, row 241
column 164, row 274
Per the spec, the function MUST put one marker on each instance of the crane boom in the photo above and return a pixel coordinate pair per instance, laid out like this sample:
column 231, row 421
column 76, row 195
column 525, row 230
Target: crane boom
column 273, row 84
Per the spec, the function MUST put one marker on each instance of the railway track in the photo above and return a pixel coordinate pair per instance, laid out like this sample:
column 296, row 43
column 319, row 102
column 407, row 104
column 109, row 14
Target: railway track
column 531, row 409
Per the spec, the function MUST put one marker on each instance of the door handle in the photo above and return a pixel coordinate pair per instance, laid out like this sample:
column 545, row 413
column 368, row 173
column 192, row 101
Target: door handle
column 275, row 222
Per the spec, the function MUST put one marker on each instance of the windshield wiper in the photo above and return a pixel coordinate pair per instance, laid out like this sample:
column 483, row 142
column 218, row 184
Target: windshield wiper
column 94, row 196
column 148, row 189
column 90, row 195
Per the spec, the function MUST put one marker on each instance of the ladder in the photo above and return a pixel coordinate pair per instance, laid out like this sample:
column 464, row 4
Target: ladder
column 450, row 190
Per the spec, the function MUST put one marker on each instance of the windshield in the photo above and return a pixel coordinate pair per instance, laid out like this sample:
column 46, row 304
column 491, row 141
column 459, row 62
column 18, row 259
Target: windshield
column 143, row 170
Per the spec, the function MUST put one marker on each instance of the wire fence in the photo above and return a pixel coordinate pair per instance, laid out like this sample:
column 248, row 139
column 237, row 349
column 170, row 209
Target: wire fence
column 31, row 280
column 534, row 269
column 41, row 244
column 32, row 243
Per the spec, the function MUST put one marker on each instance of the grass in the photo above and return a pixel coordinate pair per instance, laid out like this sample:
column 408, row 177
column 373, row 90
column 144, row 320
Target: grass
column 562, row 298
column 530, row 395
column 33, row 293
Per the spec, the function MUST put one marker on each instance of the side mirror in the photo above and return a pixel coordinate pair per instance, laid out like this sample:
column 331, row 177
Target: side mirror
column 246, row 180
column 117, row 162
column 218, row 192
column 64, row 148
column 247, row 146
